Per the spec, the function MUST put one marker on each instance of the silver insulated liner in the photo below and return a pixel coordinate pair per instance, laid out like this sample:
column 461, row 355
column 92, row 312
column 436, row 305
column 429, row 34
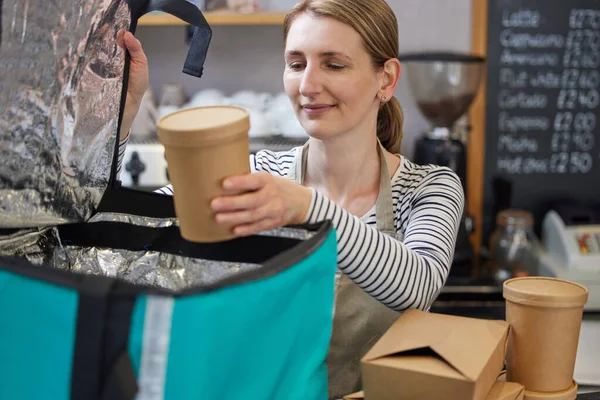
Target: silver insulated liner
column 61, row 84
column 148, row 268
column 61, row 76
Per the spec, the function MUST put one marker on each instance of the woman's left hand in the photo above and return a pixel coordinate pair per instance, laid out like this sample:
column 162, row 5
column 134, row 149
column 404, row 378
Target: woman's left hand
column 266, row 202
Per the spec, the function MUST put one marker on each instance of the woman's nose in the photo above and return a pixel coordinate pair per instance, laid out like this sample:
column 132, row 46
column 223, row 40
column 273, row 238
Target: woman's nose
column 311, row 83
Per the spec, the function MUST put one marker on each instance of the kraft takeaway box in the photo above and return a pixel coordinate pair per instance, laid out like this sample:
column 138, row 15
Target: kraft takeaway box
column 506, row 391
column 355, row 396
column 501, row 390
column 435, row 356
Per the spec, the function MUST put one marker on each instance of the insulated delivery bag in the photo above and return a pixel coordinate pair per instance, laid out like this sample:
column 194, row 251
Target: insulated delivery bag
column 100, row 297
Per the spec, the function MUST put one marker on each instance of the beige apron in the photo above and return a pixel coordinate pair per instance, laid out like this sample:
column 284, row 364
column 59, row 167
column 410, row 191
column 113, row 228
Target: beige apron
column 359, row 320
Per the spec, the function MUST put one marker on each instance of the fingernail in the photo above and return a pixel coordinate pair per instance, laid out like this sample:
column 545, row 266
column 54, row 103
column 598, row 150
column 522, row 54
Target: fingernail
column 227, row 184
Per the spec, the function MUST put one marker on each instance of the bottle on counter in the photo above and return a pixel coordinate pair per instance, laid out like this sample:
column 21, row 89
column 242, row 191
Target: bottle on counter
column 513, row 247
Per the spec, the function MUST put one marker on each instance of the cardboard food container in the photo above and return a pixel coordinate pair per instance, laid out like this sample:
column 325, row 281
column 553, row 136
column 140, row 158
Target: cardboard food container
column 501, row 390
column 203, row 146
column 545, row 316
column 355, row 396
column 506, row 391
column 435, row 356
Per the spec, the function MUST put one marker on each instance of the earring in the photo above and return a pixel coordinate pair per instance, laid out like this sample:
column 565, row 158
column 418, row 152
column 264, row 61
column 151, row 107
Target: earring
column 383, row 97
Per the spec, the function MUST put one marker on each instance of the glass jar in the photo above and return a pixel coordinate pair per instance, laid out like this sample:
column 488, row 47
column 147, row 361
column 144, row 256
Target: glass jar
column 513, row 246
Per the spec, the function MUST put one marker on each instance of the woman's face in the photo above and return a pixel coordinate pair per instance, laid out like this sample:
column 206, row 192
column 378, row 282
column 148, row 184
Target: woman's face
column 330, row 78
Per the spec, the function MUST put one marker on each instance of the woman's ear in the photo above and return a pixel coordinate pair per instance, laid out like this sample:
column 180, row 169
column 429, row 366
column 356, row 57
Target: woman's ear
column 390, row 76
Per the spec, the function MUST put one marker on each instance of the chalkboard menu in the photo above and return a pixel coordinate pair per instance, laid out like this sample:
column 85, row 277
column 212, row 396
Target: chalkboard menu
column 542, row 104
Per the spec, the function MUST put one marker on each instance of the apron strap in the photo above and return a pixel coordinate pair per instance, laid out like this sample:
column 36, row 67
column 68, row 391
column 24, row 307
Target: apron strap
column 297, row 171
column 384, row 206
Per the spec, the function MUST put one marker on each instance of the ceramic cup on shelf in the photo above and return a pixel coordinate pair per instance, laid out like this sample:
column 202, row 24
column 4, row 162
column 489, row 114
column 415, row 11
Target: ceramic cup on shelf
column 250, row 100
column 166, row 110
column 144, row 124
column 206, row 97
column 173, row 94
column 261, row 125
column 282, row 113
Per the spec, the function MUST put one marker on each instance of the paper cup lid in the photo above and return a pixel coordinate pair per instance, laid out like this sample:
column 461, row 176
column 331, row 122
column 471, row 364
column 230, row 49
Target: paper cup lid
column 545, row 292
column 199, row 125
column 569, row 394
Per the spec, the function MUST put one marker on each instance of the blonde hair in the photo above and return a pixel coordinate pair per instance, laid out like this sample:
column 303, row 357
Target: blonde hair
column 376, row 23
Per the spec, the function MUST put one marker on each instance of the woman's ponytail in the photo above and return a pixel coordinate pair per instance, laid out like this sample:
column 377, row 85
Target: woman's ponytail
column 389, row 125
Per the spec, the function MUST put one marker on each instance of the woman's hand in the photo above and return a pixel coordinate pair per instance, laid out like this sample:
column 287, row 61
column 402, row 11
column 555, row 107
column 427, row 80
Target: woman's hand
column 267, row 202
column 138, row 79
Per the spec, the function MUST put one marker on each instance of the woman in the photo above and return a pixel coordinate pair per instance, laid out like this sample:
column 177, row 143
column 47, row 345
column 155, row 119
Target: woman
column 396, row 222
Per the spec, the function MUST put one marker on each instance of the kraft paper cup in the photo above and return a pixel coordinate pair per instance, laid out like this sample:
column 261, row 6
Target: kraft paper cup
column 545, row 316
column 203, row 146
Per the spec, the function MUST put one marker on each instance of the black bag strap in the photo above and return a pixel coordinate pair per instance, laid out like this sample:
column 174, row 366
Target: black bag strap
column 103, row 324
column 119, row 199
column 122, row 382
column 185, row 10
column 87, row 356
column 194, row 62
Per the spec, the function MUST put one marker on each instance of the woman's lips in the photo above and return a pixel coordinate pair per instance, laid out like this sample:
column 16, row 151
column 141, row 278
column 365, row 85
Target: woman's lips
column 317, row 109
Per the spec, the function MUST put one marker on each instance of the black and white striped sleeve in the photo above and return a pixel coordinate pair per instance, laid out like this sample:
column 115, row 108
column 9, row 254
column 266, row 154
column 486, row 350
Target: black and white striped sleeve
column 122, row 147
column 168, row 190
column 407, row 274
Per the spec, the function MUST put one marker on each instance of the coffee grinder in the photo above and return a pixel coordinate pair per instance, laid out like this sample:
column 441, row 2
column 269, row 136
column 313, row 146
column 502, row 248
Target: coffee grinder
column 444, row 86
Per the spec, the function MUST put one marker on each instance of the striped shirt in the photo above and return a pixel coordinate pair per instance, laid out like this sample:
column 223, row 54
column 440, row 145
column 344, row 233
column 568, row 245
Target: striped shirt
column 404, row 272
column 122, row 148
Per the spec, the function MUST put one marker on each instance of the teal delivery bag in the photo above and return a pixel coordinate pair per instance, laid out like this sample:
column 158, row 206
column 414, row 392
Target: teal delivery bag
column 100, row 296
column 262, row 333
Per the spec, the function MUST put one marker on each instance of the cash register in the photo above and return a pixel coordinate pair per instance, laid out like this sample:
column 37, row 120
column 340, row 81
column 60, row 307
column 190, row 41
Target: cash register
column 571, row 248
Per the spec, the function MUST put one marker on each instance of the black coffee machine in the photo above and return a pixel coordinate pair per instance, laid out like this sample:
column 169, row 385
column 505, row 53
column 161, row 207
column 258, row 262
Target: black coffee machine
column 444, row 86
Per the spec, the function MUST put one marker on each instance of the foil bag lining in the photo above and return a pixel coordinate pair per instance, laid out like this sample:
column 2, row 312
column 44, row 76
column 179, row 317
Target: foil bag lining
column 61, row 81
column 43, row 247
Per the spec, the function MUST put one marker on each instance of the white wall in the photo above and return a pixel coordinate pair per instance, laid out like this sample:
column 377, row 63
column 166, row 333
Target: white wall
column 251, row 57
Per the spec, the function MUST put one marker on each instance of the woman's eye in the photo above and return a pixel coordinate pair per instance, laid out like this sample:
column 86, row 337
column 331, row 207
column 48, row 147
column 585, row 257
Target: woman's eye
column 295, row 66
column 336, row 66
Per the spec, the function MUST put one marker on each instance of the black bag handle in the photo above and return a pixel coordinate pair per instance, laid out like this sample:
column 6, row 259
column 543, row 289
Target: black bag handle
column 183, row 9
column 129, row 201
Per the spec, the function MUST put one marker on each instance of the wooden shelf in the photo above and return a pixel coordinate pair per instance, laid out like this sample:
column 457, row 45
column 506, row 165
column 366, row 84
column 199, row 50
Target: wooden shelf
column 216, row 18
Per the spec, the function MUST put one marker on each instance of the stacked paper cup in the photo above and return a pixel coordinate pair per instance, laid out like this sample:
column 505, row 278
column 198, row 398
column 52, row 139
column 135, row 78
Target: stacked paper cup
column 545, row 316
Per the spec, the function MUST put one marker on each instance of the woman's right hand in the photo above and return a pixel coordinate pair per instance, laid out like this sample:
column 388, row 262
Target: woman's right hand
column 138, row 79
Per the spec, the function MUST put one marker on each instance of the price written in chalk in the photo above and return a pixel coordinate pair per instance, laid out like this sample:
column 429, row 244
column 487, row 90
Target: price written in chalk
column 581, row 121
column 574, row 78
column 571, row 98
column 549, row 79
column 559, row 163
column 566, row 141
column 584, row 19
column 581, row 58
column 586, row 39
